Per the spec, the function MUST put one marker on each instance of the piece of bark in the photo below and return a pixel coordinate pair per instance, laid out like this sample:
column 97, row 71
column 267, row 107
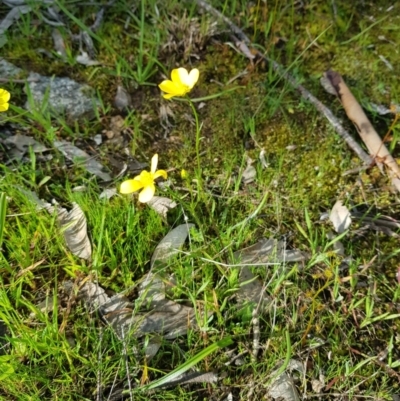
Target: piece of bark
column 367, row 132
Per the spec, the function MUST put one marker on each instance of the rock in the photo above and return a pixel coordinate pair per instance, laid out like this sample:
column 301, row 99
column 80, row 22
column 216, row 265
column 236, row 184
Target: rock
column 8, row 70
column 64, row 96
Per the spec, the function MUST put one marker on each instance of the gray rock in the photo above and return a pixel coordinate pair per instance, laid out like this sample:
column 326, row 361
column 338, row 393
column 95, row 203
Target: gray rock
column 63, row 95
column 8, row 70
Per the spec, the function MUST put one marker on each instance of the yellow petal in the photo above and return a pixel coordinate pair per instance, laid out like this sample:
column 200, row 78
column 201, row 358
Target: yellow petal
column 154, row 162
column 160, row 173
column 4, row 107
column 147, row 193
column 183, row 76
column 193, row 77
column 145, row 178
column 4, row 96
column 169, row 96
column 166, row 85
column 176, row 75
column 129, row 186
column 176, row 89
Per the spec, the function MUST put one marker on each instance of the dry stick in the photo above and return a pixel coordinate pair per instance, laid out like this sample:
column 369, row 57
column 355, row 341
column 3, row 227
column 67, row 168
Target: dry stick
column 99, row 395
column 367, row 132
column 255, row 321
column 303, row 91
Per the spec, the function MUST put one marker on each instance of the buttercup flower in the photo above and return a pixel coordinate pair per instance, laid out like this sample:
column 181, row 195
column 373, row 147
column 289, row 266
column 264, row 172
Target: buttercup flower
column 144, row 181
column 181, row 82
column 184, row 174
column 4, row 98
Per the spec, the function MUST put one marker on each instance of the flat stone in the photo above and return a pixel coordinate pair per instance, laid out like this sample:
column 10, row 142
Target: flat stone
column 8, row 70
column 64, row 96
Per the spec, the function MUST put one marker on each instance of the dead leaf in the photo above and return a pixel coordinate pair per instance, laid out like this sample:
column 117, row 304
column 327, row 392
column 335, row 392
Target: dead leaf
column 13, row 15
column 171, row 243
column 318, row 385
column 269, row 251
column 250, row 173
column 30, row 268
column 122, row 99
column 32, row 197
column 46, row 306
column 85, row 59
column 108, row 193
column 283, row 386
column 379, row 222
column 251, row 289
column 163, row 317
column 244, row 49
column 261, row 156
column 340, row 217
column 21, row 144
column 152, row 288
column 59, row 44
column 80, row 157
column 74, row 227
column 161, row 205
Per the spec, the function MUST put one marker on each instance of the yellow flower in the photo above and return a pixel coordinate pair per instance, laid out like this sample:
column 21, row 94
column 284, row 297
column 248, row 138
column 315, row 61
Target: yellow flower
column 4, row 98
column 181, row 82
column 144, row 181
column 184, row 174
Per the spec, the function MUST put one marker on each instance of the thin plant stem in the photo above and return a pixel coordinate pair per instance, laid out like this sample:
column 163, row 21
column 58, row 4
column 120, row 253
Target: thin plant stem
column 197, row 136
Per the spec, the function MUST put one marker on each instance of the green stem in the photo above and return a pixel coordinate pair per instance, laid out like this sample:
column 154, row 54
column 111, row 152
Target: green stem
column 197, row 138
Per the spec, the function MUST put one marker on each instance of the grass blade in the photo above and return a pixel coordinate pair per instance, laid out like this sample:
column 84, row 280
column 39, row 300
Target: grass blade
column 188, row 364
column 3, row 209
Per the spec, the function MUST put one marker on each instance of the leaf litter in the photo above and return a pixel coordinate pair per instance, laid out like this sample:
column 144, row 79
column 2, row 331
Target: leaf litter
column 283, row 386
column 81, row 158
column 72, row 224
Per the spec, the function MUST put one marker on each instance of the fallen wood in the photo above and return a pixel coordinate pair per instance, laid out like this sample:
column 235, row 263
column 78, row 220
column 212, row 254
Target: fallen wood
column 370, row 137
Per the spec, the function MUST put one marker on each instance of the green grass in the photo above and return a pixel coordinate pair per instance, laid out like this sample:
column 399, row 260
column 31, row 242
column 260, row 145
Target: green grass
column 334, row 316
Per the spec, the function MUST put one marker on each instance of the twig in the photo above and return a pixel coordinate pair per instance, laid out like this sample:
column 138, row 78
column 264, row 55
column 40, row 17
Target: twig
column 256, row 333
column 99, row 394
column 18, row 81
column 125, row 354
column 303, row 91
column 367, row 132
